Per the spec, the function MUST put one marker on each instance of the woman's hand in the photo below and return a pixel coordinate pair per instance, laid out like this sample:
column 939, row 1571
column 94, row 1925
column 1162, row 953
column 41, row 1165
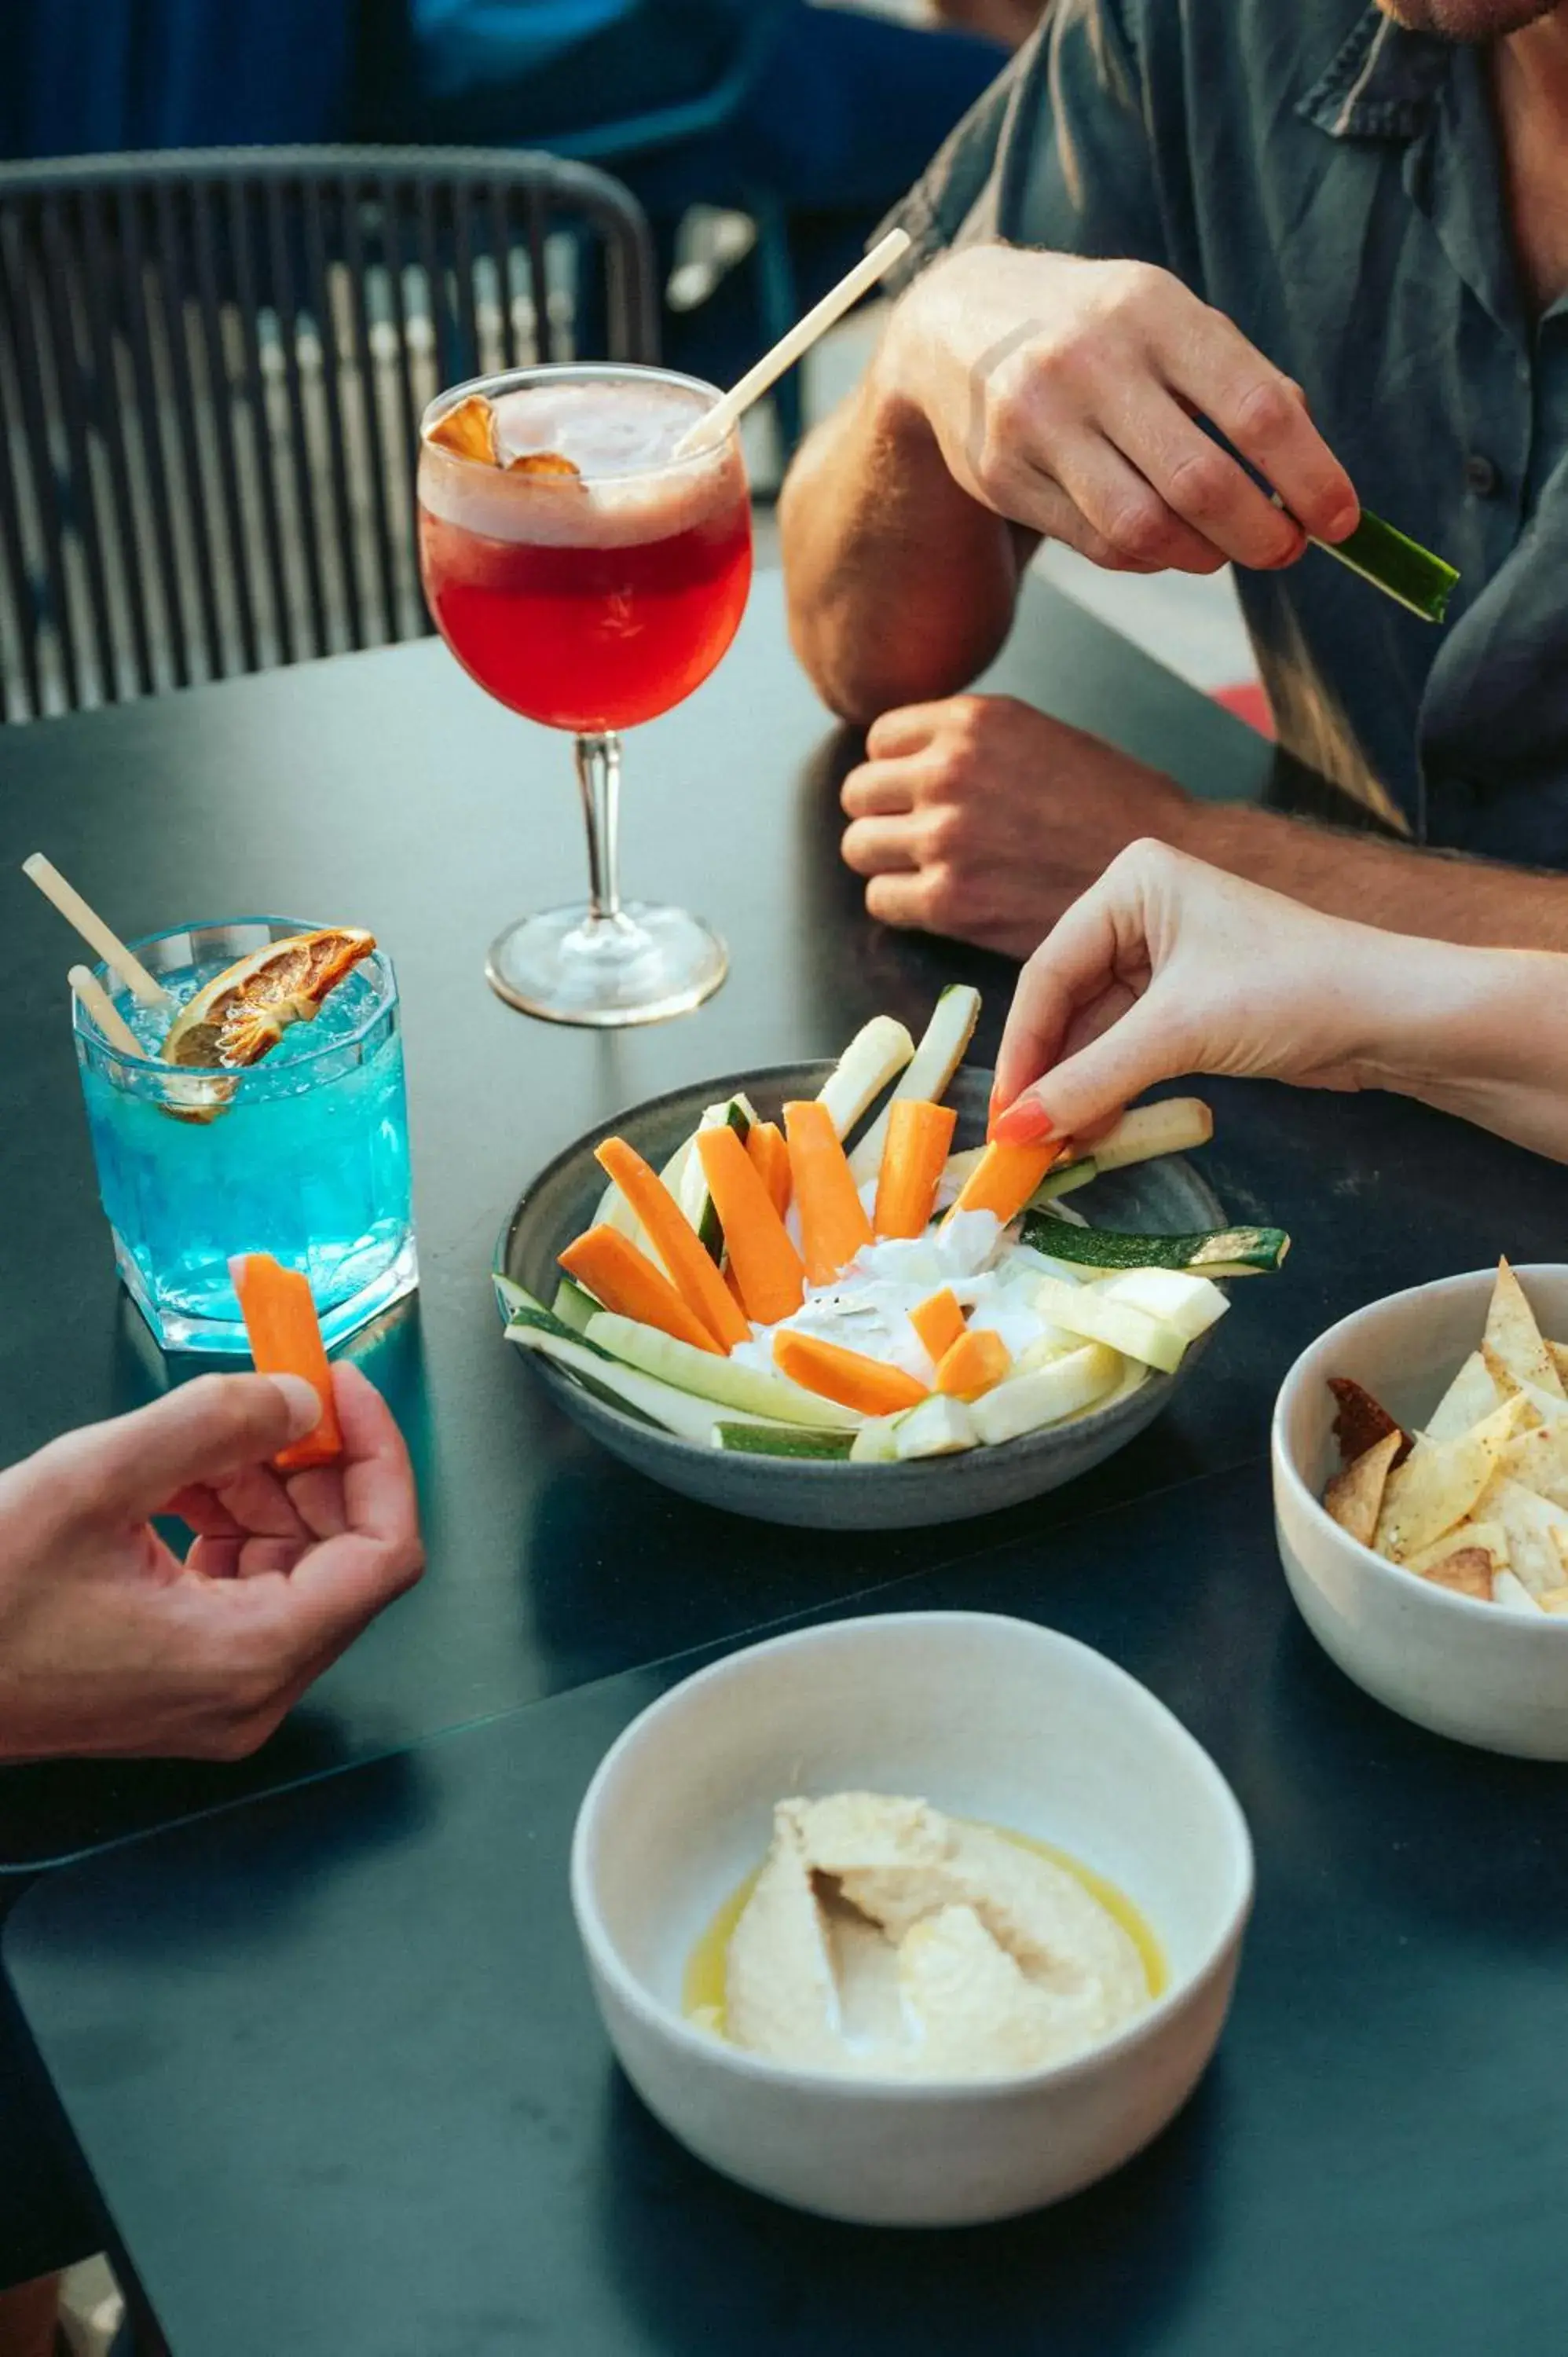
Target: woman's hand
column 1169, row 967
column 109, row 1644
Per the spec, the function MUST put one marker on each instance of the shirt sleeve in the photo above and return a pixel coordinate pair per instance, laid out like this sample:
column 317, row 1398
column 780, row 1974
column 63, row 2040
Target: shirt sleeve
column 1057, row 155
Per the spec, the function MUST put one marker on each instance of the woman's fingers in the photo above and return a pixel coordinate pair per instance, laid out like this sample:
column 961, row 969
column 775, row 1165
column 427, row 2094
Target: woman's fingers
column 1153, row 1041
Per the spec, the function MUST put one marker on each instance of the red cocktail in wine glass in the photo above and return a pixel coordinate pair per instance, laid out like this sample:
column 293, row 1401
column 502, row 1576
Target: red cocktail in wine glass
column 589, row 572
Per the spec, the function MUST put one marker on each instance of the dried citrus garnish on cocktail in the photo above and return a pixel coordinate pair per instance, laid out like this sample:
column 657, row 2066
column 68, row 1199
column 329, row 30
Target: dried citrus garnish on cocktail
column 544, row 462
column 468, row 431
column 242, row 1014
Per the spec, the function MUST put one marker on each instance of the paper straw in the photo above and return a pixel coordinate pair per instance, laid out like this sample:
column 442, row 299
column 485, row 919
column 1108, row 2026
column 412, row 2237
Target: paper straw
column 717, row 422
column 96, row 933
column 104, row 1012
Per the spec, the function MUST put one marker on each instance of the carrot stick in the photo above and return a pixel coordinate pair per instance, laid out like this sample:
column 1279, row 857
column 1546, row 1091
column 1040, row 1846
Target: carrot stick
column 833, row 1225
column 846, row 1376
column 676, row 1241
column 1005, row 1177
column 977, row 1360
column 939, row 1322
column 286, row 1339
column 768, row 1268
column 765, row 1144
column 626, row 1281
column 913, row 1159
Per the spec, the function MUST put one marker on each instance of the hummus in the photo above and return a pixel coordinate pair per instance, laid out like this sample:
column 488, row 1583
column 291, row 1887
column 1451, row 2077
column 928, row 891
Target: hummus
column 882, row 1937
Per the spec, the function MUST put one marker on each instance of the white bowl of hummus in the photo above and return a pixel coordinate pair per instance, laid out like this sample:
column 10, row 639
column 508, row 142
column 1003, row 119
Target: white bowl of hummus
column 1481, row 1675
column 919, row 1920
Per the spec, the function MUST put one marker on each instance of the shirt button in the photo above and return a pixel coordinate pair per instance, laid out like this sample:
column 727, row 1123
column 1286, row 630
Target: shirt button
column 1481, row 477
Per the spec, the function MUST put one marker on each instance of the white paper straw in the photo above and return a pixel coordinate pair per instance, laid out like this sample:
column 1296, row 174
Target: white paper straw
column 104, row 1012
column 96, row 933
column 716, row 422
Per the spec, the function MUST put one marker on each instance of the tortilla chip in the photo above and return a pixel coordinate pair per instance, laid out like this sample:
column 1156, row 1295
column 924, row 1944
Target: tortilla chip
column 1512, row 1594
column 1437, row 1487
column 1467, row 1572
column 1472, row 1395
column 1355, row 1495
column 1558, row 1354
column 1538, row 1460
column 1490, row 1537
column 1513, row 1340
column 1537, row 1532
column 1361, row 1422
column 1554, row 1600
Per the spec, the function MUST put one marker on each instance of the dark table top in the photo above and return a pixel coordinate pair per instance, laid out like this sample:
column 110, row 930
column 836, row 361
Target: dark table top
column 333, row 2059
column 387, row 789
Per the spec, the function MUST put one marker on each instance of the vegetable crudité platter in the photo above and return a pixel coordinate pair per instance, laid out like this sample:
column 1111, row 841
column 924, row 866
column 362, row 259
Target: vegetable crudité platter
column 836, row 1280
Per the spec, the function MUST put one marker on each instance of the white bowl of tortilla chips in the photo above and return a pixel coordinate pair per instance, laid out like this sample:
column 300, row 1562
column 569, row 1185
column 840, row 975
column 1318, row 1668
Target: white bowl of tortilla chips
column 1422, row 1513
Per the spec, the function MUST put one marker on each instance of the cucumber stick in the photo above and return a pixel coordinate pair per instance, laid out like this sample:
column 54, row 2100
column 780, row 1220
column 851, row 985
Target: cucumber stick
column 775, row 1440
column 927, row 1076
column 690, row 1186
column 1083, row 1310
column 682, row 1413
column 1047, row 1395
column 708, row 1376
column 878, row 1054
column 1175, row 1126
column 573, row 1307
column 940, row 1426
column 1109, row 1248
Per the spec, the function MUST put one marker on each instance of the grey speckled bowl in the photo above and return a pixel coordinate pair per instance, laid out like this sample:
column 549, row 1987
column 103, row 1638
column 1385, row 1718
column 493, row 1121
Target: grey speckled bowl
column 1155, row 1197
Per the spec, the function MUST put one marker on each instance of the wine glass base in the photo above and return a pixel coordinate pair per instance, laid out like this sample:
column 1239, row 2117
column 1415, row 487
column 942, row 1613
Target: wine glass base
column 642, row 966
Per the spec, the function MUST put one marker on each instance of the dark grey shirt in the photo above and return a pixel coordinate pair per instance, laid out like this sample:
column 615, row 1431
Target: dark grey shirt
column 1334, row 184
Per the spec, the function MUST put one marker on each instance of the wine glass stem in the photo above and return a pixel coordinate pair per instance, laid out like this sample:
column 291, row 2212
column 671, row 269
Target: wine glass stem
column 599, row 775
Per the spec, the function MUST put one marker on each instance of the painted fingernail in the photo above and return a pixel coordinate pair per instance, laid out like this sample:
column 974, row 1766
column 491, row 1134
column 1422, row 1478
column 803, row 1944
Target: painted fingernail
column 1023, row 1123
column 304, row 1405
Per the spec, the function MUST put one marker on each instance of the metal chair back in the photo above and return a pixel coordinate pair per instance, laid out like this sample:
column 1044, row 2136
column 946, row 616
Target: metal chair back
column 211, row 371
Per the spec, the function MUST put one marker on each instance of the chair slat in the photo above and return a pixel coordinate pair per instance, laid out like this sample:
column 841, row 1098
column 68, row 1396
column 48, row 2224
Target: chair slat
column 149, row 418
column 172, row 246
column 221, row 403
column 17, row 304
column 241, row 212
column 302, row 471
column 100, row 275
column 319, row 288
column 369, row 374
column 59, row 281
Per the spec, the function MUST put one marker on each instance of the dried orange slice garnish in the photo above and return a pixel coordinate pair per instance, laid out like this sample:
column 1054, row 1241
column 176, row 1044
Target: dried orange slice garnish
column 544, row 462
column 242, row 1014
column 468, row 431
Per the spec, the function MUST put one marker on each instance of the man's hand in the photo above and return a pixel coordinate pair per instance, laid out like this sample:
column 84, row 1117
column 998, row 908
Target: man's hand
column 109, row 1644
column 1063, row 395
column 982, row 819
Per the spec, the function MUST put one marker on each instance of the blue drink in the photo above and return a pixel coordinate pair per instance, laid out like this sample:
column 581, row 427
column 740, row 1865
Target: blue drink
column 304, row 1154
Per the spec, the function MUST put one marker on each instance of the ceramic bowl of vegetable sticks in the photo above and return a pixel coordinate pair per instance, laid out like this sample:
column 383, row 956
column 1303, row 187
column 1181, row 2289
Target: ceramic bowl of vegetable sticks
column 1164, row 1196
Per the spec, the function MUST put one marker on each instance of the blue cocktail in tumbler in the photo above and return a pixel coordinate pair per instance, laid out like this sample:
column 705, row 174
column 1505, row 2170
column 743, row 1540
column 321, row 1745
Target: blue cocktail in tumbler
column 303, row 1155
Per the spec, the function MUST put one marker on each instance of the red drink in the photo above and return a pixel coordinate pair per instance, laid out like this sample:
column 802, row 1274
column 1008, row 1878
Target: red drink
column 596, row 603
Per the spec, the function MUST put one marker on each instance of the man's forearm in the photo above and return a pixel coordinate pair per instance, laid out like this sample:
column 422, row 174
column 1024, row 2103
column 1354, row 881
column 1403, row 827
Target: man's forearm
column 901, row 588
column 1381, row 883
